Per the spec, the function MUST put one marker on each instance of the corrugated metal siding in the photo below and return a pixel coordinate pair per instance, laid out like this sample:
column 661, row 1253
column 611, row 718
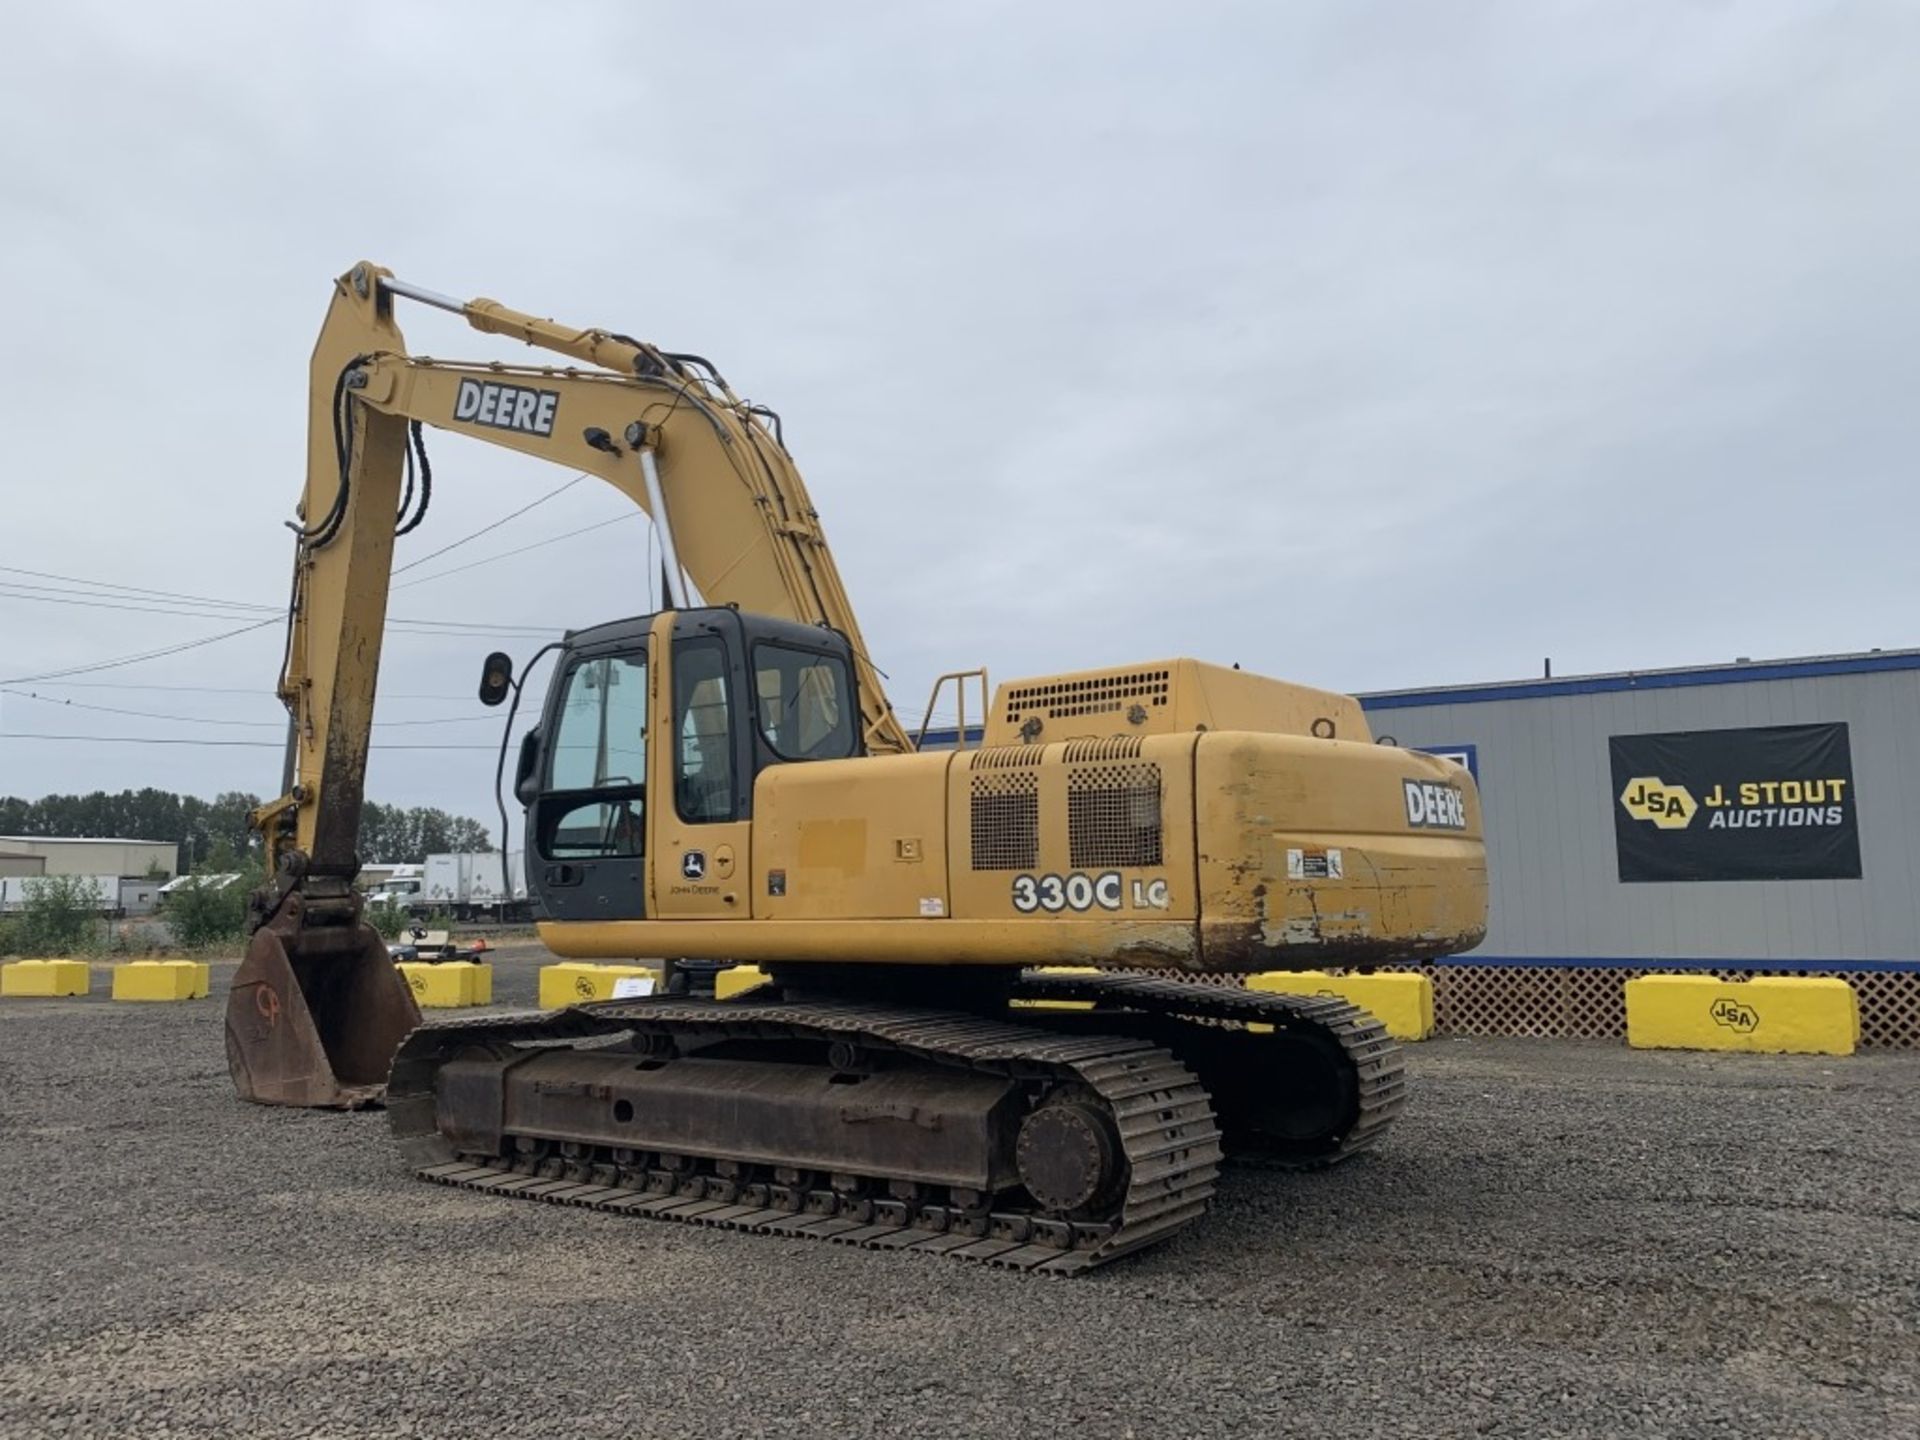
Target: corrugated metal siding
column 1545, row 784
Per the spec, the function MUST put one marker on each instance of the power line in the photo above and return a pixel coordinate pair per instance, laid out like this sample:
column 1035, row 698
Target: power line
column 253, row 690
column 127, row 608
column 143, row 607
column 209, row 720
column 143, row 655
column 141, row 714
column 131, row 589
column 234, row 607
column 185, row 740
column 99, row 590
column 520, row 550
column 559, row 489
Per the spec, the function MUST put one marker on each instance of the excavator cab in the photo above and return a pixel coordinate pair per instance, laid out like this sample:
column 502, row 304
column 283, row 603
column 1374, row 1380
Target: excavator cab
column 645, row 754
column 646, row 751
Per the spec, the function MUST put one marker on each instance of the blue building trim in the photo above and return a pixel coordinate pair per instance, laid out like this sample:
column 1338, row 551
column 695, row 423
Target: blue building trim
column 1467, row 755
column 1722, row 962
column 1645, row 680
column 949, row 738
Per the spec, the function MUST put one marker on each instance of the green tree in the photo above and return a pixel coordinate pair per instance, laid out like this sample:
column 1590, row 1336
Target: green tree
column 200, row 915
column 204, row 829
column 383, row 839
column 467, row 834
column 227, row 820
column 220, row 859
column 389, row 919
column 58, row 915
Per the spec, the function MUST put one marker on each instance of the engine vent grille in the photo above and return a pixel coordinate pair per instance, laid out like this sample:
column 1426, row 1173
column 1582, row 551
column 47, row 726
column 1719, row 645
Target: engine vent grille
column 1120, row 747
column 1005, row 820
column 1005, row 757
column 1113, row 816
column 1101, row 695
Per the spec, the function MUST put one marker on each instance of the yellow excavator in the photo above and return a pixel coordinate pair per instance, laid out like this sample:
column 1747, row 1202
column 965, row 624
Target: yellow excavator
column 999, row 1021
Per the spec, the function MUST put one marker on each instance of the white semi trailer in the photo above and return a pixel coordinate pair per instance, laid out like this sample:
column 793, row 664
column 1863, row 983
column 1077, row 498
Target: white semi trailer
column 468, row 885
column 114, row 896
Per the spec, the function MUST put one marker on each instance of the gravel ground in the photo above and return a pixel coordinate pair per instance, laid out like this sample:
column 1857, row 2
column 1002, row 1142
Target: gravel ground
column 1561, row 1238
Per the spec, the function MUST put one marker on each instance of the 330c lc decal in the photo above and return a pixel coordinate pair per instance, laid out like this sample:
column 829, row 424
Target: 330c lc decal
column 1080, row 892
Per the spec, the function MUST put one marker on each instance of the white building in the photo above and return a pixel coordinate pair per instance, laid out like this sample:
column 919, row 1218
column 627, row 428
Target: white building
column 63, row 856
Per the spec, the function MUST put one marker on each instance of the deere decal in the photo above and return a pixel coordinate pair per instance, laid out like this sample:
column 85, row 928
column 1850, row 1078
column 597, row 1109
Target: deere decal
column 1772, row 803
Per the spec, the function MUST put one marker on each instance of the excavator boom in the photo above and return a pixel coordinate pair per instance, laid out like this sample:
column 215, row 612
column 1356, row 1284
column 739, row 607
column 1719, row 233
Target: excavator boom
column 317, row 1012
column 662, row 428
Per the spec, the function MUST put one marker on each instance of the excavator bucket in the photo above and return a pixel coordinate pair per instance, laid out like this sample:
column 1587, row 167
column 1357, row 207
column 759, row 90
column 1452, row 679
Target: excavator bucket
column 314, row 1017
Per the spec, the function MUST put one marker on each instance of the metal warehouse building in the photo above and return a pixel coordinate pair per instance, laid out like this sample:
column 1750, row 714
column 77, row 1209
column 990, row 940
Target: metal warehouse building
column 1744, row 818
column 63, row 856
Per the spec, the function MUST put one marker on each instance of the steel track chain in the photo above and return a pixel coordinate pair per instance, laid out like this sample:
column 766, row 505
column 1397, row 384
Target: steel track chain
column 1164, row 1118
column 1379, row 1068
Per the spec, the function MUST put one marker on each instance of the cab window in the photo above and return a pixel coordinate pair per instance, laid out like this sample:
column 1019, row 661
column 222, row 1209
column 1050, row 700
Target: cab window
column 598, row 760
column 805, row 701
column 703, row 726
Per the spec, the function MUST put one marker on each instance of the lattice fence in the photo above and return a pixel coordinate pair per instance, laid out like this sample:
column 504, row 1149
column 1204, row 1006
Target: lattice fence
column 1554, row 1001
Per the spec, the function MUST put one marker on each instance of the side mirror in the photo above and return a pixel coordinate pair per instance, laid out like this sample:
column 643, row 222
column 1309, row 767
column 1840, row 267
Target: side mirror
column 526, row 775
column 496, row 678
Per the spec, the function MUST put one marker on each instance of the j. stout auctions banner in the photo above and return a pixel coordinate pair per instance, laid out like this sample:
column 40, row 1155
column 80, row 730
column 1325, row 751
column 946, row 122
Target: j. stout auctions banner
column 1773, row 803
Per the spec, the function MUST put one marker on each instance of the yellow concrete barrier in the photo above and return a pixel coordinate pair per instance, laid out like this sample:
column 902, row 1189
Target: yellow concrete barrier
column 1059, row 1004
column 45, row 978
column 1403, row 1003
column 574, row 983
column 161, row 980
column 738, row 980
column 447, row 985
column 1778, row 1015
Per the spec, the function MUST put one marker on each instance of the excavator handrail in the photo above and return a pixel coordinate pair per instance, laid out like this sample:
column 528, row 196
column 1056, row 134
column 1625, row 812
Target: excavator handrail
column 959, row 679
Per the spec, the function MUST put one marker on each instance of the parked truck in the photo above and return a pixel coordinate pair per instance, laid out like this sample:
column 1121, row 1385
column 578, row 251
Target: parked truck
column 402, row 885
column 469, row 885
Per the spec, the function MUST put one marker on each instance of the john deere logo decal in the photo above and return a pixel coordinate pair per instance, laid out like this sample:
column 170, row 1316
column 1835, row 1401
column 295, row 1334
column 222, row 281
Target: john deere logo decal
column 1735, row 1016
column 1671, row 807
column 1432, row 806
column 506, row 407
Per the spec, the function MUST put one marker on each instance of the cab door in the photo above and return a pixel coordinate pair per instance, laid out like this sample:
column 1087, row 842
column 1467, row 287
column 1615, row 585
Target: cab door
column 702, row 814
column 587, row 825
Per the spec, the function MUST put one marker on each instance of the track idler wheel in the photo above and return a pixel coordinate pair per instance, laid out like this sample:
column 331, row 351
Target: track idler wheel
column 1069, row 1156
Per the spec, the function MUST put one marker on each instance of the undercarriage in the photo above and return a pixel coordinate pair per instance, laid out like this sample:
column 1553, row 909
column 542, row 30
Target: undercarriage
column 1051, row 1124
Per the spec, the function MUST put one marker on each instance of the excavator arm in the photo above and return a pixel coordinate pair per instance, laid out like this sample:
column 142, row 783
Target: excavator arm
column 315, row 1020
column 664, row 429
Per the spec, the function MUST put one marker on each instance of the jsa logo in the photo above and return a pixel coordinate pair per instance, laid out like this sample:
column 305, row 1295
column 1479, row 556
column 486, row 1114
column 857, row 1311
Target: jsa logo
column 1435, row 807
column 1648, row 797
column 506, row 407
column 1735, row 1016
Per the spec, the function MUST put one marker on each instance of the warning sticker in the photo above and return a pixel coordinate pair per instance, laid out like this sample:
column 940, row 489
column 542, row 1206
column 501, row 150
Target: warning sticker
column 1314, row 865
column 632, row 987
column 932, row 907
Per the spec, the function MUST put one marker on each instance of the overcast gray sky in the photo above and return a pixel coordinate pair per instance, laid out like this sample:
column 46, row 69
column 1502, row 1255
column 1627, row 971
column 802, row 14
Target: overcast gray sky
column 1366, row 345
